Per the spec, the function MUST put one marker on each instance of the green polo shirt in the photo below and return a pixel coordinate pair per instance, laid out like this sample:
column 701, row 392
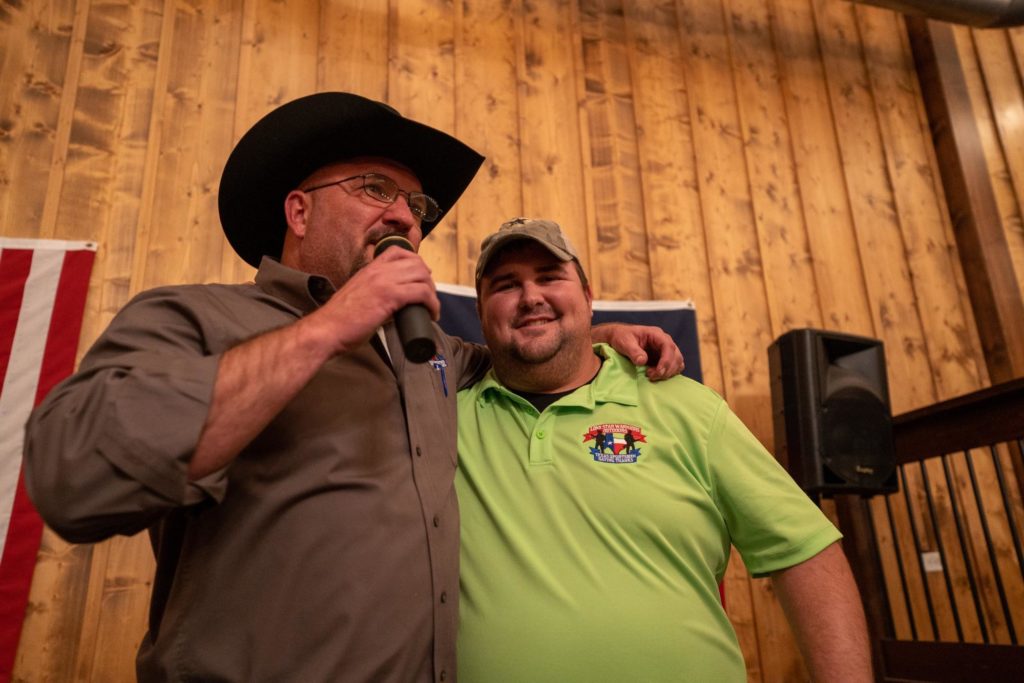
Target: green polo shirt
column 594, row 534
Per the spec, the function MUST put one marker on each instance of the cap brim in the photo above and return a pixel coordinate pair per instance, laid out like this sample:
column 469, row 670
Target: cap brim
column 501, row 241
column 291, row 142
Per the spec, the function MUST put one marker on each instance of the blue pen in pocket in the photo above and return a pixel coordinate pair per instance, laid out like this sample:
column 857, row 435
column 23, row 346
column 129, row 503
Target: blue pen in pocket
column 438, row 363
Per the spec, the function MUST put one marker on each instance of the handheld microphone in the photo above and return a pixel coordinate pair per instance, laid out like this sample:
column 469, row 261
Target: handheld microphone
column 412, row 321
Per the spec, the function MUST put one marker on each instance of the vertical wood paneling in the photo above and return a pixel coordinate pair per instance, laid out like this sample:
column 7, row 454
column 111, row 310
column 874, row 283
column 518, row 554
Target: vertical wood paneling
column 59, row 156
column 972, row 335
column 422, row 86
column 350, row 55
column 487, row 49
column 158, row 253
column 953, row 363
column 1006, row 97
column 182, row 247
column 153, row 142
column 278, row 57
column 48, row 649
column 668, row 173
column 618, row 242
column 1015, row 228
column 1006, row 195
column 37, row 40
column 550, row 152
column 118, row 611
column 890, row 292
column 1000, row 83
column 111, row 129
column 831, row 235
column 218, row 85
column 778, row 215
column 766, row 158
column 733, row 251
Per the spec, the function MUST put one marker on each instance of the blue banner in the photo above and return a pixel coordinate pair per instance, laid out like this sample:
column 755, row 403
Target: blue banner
column 678, row 318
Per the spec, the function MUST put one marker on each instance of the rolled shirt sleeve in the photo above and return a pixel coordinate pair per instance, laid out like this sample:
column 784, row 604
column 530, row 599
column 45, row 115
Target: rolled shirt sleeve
column 108, row 449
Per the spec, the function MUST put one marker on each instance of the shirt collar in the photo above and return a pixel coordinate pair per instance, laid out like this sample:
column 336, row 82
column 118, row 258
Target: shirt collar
column 300, row 290
column 615, row 383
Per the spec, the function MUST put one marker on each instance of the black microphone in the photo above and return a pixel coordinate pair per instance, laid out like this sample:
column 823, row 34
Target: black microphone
column 412, row 321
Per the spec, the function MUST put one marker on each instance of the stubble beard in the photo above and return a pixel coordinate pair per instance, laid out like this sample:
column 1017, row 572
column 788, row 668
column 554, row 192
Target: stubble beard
column 536, row 352
column 341, row 267
column 535, row 365
column 360, row 262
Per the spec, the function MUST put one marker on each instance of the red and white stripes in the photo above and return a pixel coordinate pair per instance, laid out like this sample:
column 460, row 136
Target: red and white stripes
column 43, row 285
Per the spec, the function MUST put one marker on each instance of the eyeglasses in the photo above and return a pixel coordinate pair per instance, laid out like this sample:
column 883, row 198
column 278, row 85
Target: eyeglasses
column 386, row 191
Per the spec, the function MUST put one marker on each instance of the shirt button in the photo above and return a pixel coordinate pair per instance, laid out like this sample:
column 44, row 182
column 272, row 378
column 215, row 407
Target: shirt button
column 419, row 453
column 541, row 434
column 444, row 675
column 444, row 597
column 437, row 520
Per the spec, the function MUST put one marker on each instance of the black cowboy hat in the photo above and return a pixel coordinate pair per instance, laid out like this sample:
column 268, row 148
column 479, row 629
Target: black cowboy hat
column 297, row 138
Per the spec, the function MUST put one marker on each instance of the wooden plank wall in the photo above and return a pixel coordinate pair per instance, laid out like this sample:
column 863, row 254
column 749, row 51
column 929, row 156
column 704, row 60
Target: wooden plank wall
column 768, row 159
column 993, row 64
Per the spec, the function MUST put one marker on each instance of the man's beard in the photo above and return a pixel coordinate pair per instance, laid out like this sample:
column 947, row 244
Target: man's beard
column 357, row 264
column 535, row 367
column 536, row 353
column 363, row 257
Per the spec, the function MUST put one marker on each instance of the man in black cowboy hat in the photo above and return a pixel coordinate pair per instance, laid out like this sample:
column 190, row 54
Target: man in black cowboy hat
column 295, row 471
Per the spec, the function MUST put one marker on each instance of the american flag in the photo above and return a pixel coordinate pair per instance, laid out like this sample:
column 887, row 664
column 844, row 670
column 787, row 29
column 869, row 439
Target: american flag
column 43, row 284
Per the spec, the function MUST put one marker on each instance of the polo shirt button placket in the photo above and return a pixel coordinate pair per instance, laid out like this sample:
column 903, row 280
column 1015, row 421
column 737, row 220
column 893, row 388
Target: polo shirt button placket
column 540, row 444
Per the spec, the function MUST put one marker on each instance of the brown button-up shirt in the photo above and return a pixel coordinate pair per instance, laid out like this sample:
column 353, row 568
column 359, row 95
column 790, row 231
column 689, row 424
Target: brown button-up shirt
column 327, row 551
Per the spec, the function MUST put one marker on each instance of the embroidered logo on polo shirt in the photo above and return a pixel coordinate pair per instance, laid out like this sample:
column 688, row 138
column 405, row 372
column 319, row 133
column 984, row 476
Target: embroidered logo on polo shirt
column 615, row 443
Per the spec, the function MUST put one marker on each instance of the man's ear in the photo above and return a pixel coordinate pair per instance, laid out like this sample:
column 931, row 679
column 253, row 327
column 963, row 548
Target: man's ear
column 297, row 207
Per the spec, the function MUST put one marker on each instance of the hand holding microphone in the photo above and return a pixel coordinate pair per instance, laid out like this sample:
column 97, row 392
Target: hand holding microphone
column 412, row 321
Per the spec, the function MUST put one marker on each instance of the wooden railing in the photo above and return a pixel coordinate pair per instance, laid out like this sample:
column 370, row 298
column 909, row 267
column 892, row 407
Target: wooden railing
column 939, row 562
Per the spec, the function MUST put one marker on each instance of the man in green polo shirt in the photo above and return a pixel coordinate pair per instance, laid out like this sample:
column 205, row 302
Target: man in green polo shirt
column 598, row 508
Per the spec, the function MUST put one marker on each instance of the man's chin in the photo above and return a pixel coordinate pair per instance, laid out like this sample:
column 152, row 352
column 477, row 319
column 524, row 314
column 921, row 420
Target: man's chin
column 535, row 354
column 358, row 265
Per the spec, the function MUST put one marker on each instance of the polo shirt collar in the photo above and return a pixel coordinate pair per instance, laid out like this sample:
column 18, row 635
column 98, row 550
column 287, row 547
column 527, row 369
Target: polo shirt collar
column 616, row 382
column 299, row 290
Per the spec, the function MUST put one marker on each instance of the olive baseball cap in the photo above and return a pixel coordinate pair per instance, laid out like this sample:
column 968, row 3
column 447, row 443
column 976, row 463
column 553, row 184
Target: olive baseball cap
column 546, row 233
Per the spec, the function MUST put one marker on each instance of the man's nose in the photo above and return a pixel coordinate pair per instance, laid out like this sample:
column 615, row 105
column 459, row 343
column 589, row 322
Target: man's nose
column 530, row 295
column 398, row 213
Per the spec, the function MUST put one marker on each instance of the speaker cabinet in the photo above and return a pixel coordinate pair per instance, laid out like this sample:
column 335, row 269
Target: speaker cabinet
column 830, row 408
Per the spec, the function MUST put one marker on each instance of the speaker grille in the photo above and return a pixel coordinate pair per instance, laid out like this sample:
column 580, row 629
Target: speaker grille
column 857, row 444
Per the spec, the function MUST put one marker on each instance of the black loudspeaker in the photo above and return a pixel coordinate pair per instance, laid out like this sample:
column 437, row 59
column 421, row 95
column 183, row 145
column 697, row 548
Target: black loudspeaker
column 830, row 408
